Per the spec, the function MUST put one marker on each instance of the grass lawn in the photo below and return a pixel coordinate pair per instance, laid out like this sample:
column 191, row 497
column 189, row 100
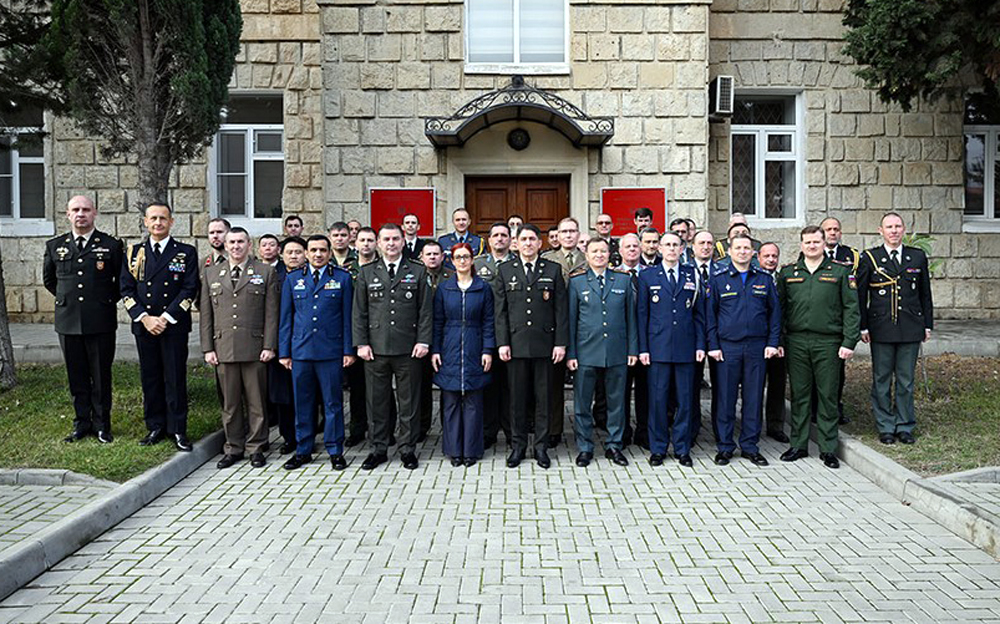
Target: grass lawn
column 37, row 414
column 958, row 414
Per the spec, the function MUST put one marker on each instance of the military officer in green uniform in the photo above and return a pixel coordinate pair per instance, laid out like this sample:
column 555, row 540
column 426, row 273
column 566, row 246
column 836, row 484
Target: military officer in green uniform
column 897, row 314
column 821, row 322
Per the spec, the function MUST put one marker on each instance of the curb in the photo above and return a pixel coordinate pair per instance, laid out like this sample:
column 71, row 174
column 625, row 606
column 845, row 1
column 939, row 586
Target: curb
column 49, row 476
column 971, row 523
column 21, row 563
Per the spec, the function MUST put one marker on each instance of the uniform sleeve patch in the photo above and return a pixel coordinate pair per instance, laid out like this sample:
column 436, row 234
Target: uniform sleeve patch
column 852, row 282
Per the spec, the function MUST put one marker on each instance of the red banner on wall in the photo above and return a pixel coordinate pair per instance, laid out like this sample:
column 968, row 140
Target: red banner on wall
column 389, row 205
column 622, row 202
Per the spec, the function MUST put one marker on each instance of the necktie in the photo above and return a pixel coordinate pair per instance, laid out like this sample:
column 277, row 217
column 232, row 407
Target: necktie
column 156, row 251
column 634, row 273
column 600, row 281
column 671, row 279
column 704, row 273
column 315, row 276
column 895, row 258
column 235, row 275
column 81, row 242
column 531, row 271
column 392, row 271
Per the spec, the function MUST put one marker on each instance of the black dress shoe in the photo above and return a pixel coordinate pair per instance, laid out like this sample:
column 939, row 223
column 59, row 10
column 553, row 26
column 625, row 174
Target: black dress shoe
column 409, row 461
column 542, row 458
column 338, row 462
column 905, row 437
column 77, row 434
column 257, row 460
column 515, row 458
column 265, row 447
column 153, row 437
column 794, row 454
column 470, row 462
column 286, row 448
column 374, row 460
column 616, row 456
column 756, row 459
column 228, row 460
column 182, row 443
column 583, row 459
column 105, row 437
column 779, row 436
column 886, row 438
column 297, row 461
column 553, row 441
column 354, row 440
column 830, row 460
column 722, row 458
column 457, row 461
column 656, row 459
column 685, row 460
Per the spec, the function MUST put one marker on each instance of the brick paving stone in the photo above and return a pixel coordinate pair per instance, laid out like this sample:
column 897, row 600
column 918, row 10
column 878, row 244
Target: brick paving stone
column 787, row 543
column 27, row 509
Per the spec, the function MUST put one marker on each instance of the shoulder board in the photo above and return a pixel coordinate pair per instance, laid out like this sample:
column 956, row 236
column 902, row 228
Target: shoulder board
column 578, row 273
column 619, row 271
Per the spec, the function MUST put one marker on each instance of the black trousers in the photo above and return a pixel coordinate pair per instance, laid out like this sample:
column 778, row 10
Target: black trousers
column 774, row 403
column 358, row 400
column 427, row 398
column 637, row 385
column 163, row 370
column 531, row 379
column 556, row 398
column 496, row 403
column 88, row 367
column 713, row 376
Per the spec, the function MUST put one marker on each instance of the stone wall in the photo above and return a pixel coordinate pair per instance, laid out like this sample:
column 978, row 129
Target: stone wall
column 863, row 157
column 388, row 66
column 280, row 51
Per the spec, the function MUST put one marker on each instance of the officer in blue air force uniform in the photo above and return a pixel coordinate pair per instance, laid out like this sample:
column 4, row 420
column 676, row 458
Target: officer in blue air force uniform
column 315, row 343
column 159, row 284
column 671, row 339
column 744, row 328
column 602, row 338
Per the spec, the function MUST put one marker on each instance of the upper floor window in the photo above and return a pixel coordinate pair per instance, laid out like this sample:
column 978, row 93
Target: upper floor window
column 765, row 158
column 516, row 32
column 247, row 160
column 982, row 148
column 22, row 165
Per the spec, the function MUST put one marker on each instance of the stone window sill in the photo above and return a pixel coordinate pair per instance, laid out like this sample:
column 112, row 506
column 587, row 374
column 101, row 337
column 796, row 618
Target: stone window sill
column 526, row 69
column 981, row 226
column 10, row 228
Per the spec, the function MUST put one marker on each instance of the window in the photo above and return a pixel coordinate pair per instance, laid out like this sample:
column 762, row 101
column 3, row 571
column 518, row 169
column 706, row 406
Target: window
column 982, row 147
column 765, row 158
column 22, row 165
column 516, row 33
column 247, row 159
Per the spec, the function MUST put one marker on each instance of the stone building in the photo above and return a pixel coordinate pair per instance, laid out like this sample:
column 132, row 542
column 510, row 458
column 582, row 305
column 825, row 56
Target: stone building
column 332, row 98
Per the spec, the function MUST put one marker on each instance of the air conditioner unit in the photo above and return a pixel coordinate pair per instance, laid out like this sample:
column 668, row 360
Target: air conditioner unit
column 720, row 98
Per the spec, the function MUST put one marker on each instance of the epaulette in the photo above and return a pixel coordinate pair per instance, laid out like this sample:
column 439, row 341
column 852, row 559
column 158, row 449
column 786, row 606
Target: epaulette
column 620, row 271
column 578, row 272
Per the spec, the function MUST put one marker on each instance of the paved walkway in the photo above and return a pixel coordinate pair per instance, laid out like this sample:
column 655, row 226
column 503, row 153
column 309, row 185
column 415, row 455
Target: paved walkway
column 790, row 542
column 27, row 509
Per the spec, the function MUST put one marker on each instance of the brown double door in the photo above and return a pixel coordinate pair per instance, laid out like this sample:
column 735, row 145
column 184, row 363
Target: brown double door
column 540, row 200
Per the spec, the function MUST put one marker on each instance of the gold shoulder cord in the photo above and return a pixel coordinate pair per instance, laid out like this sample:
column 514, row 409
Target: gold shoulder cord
column 891, row 282
column 137, row 261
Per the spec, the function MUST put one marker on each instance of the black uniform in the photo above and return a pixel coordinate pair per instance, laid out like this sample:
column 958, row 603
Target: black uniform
column 414, row 253
column 531, row 319
column 496, row 396
column 85, row 283
column 154, row 286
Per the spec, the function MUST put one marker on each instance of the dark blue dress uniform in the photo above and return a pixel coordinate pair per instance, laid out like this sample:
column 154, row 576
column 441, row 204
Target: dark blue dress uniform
column 85, row 283
column 168, row 285
column 602, row 336
column 315, row 331
column 671, row 330
column 744, row 317
column 451, row 239
column 704, row 274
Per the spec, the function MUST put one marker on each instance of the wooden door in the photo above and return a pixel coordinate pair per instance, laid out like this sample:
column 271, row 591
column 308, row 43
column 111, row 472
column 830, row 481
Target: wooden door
column 540, row 200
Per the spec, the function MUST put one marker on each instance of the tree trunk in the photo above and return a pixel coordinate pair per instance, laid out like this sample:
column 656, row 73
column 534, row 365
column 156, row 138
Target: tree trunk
column 8, row 376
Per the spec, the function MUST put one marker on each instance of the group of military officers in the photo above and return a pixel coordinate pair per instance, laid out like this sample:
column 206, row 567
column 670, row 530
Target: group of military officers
column 287, row 326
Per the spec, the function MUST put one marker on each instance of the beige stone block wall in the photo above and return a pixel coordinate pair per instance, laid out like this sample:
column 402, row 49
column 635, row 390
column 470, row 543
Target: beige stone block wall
column 388, row 66
column 863, row 157
column 285, row 55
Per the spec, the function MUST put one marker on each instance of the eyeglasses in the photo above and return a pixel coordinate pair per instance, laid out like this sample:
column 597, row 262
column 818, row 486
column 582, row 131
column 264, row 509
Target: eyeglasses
column 462, row 257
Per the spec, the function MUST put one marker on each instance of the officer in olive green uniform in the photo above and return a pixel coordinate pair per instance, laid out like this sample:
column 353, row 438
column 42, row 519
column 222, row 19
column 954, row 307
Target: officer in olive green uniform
column 822, row 326
column 496, row 396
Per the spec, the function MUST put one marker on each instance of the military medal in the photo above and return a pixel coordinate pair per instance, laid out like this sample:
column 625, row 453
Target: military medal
column 545, row 295
column 100, row 265
column 409, row 294
column 656, row 298
column 881, row 291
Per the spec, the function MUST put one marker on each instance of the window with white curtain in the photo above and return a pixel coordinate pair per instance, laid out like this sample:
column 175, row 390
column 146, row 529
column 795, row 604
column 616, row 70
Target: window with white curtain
column 982, row 162
column 521, row 32
column 22, row 166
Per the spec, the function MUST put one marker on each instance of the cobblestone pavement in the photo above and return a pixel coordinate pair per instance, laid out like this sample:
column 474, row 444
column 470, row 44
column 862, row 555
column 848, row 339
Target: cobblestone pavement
column 27, row 509
column 789, row 542
column 983, row 495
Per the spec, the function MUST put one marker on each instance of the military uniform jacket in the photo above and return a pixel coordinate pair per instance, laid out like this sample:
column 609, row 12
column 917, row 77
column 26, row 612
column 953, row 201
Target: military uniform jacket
column 486, row 265
column 570, row 263
column 238, row 323
column 531, row 317
column 671, row 322
column 740, row 311
column 896, row 303
column 392, row 317
column 847, row 256
column 85, row 283
column 824, row 302
column 418, row 246
column 450, row 239
column 167, row 286
column 351, row 264
column 602, row 323
column 316, row 315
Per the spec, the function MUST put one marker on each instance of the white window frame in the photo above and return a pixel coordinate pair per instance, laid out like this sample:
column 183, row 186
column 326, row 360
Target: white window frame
column 986, row 222
column 15, row 225
column 762, row 155
column 517, row 67
column 256, row 226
